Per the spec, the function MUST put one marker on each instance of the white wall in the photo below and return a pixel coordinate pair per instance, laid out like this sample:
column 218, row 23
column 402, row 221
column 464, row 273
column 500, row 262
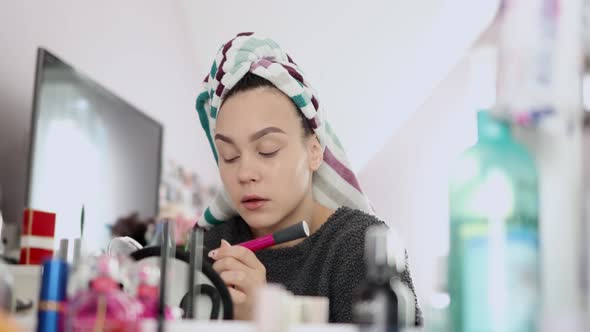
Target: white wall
column 407, row 180
column 138, row 49
column 372, row 62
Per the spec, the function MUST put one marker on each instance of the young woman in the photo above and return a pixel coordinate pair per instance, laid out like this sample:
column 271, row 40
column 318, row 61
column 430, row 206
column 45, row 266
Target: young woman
column 280, row 163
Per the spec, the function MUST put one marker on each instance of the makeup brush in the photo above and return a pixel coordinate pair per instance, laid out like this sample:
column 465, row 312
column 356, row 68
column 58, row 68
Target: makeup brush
column 297, row 231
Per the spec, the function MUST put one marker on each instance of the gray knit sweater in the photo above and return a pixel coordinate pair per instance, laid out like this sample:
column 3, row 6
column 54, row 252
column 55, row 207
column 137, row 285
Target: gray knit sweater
column 329, row 263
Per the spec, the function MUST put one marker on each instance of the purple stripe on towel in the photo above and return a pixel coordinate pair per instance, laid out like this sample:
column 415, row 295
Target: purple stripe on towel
column 315, row 103
column 293, row 72
column 341, row 169
column 219, row 89
column 261, row 63
column 313, row 123
column 220, row 71
column 291, row 60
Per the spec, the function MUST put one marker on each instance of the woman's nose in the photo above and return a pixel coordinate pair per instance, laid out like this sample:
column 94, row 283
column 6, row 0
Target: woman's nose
column 248, row 171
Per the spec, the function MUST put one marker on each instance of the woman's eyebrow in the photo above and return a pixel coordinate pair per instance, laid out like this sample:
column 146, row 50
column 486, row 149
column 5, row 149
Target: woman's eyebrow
column 257, row 135
column 224, row 138
column 261, row 133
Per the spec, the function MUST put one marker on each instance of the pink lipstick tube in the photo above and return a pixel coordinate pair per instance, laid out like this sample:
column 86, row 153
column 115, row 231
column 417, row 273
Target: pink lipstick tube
column 297, row 231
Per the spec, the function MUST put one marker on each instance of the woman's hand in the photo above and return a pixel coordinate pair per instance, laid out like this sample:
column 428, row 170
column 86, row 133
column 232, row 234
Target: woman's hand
column 243, row 274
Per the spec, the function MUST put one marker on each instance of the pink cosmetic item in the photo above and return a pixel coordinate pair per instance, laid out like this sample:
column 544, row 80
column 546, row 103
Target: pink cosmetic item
column 148, row 292
column 104, row 306
column 297, row 231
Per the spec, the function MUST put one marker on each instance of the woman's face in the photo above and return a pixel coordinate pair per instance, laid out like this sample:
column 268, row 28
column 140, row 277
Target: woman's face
column 265, row 163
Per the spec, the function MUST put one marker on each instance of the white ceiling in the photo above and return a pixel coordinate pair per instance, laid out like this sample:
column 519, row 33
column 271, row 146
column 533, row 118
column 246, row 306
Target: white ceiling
column 372, row 62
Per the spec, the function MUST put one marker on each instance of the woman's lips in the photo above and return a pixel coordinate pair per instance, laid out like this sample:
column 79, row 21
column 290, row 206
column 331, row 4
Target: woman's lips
column 254, row 204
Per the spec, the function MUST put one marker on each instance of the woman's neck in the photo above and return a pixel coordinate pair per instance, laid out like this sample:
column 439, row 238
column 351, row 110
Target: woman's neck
column 311, row 211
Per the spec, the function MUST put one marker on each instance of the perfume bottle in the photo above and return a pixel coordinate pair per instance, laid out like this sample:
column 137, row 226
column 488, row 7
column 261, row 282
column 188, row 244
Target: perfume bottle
column 493, row 272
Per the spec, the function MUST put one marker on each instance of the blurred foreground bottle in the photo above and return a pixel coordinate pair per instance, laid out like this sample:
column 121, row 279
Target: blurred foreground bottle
column 376, row 305
column 494, row 244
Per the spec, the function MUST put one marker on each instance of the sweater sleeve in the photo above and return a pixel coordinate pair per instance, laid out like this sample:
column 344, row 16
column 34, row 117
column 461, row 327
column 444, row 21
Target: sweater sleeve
column 233, row 231
column 212, row 238
column 407, row 279
column 348, row 274
column 215, row 234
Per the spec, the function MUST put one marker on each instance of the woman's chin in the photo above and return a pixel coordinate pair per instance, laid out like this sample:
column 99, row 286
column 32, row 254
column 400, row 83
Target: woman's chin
column 258, row 220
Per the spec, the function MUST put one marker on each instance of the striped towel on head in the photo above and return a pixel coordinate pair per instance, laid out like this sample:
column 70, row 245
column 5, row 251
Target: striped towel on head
column 334, row 184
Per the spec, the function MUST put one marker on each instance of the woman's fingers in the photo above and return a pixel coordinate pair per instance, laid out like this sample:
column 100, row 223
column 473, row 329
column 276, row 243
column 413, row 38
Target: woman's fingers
column 228, row 263
column 241, row 280
column 240, row 253
column 237, row 296
column 242, row 272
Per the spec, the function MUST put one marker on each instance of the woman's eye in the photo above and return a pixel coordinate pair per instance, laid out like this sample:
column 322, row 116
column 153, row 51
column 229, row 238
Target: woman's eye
column 230, row 160
column 269, row 154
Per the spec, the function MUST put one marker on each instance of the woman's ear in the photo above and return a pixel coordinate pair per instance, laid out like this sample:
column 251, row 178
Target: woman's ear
column 316, row 153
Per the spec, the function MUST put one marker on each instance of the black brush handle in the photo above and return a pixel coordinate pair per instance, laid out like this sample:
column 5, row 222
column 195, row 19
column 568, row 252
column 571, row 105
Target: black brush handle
column 291, row 233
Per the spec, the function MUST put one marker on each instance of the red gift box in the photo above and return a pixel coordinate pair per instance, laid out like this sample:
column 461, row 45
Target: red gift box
column 37, row 235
